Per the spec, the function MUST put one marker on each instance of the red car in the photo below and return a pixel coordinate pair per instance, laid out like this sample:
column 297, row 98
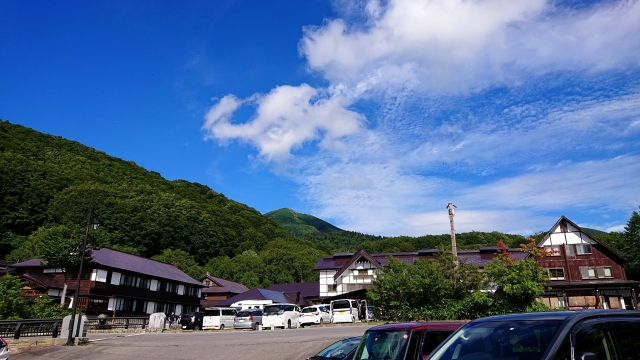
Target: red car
column 404, row 341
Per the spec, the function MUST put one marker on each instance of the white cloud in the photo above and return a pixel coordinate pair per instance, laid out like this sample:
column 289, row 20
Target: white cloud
column 285, row 118
column 459, row 45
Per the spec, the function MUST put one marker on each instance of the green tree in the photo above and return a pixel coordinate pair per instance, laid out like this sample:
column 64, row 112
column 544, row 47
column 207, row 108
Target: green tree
column 182, row 260
column 517, row 284
column 12, row 304
column 61, row 248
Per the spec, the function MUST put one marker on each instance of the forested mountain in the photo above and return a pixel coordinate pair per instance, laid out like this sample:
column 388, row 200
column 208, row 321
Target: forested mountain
column 47, row 181
column 298, row 224
column 332, row 239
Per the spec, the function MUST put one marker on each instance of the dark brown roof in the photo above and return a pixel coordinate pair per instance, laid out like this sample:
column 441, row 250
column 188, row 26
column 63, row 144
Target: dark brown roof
column 478, row 258
column 118, row 260
column 45, row 280
column 357, row 256
column 224, row 286
column 307, row 290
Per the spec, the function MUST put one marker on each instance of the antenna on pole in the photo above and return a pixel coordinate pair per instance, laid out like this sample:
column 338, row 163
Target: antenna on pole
column 454, row 249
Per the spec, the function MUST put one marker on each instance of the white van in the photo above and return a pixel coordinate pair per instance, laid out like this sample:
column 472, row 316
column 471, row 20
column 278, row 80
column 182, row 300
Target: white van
column 344, row 310
column 218, row 318
column 281, row 316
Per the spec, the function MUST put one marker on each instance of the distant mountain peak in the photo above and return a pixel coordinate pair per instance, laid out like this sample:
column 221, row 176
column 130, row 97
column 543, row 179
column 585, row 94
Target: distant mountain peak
column 296, row 223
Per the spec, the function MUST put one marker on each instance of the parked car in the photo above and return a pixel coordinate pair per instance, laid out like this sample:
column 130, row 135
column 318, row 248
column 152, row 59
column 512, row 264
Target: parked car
column 404, row 341
column 315, row 314
column 281, row 316
column 562, row 335
column 344, row 310
column 343, row 349
column 217, row 318
column 4, row 350
column 371, row 316
column 248, row 319
column 192, row 321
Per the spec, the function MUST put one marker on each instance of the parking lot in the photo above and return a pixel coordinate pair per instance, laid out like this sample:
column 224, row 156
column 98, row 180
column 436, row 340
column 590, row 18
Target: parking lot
column 290, row 344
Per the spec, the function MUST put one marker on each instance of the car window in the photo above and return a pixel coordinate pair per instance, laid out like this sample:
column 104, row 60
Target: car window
column 625, row 335
column 594, row 339
column 257, row 313
column 564, row 351
column 213, row 312
column 380, row 344
column 432, row 339
column 309, row 310
column 340, row 349
column 272, row 310
column 500, row 339
column 341, row 304
column 243, row 314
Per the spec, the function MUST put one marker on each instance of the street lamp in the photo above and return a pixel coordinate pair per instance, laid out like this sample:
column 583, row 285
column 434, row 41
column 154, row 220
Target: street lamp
column 94, row 225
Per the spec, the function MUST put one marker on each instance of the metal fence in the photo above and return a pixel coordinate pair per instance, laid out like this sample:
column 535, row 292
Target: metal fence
column 52, row 327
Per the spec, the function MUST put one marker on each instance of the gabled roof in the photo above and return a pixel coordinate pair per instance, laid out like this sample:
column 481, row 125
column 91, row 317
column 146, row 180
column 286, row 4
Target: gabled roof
column 224, row 286
column 118, row 260
column 45, row 280
column 256, row 294
column 582, row 232
column 479, row 258
column 357, row 256
column 310, row 289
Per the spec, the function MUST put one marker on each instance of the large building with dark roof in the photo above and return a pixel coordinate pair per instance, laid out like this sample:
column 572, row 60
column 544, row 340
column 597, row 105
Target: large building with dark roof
column 117, row 284
column 218, row 289
column 350, row 274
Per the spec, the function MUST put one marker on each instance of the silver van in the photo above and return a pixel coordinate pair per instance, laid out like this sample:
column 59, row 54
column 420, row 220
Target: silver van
column 218, row 318
column 248, row 319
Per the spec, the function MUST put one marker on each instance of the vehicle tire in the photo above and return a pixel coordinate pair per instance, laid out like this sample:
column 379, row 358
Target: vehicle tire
column 353, row 320
column 321, row 321
column 288, row 324
column 255, row 326
column 196, row 328
column 221, row 327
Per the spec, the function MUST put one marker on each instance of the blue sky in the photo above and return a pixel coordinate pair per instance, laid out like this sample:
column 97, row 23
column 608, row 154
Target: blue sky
column 372, row 115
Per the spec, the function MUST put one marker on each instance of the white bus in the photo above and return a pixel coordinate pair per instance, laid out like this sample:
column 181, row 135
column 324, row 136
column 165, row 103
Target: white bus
column 218, row 318
column 281, row 316
column 344, row 310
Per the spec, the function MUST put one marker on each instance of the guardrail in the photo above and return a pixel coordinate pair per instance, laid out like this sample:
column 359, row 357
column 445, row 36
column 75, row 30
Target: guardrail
column 29, row 327
column 52, row 327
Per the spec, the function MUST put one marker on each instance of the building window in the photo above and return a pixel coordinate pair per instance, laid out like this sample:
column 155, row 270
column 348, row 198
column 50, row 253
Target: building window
column 99, row 304
column 167, row 287
column 191, row 291
column 602, row 272
column 583, row 249
column 333, row 287
column 135, row 281
column 553, row 250
column 131, row 305
column 165, row 308
column 556, row 274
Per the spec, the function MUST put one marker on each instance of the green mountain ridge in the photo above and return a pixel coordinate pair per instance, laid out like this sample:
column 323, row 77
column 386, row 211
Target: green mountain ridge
column 298, row 224
column 46, row 180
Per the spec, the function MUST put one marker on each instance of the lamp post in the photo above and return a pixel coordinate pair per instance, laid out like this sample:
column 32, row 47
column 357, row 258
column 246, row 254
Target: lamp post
column 95, row 224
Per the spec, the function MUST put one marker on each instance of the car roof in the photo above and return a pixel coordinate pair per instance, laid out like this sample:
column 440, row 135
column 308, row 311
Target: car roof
column 428, row 325
column 570, row 316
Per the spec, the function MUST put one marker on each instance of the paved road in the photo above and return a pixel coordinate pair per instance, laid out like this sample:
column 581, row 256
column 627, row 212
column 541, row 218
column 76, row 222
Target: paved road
column 293, row 344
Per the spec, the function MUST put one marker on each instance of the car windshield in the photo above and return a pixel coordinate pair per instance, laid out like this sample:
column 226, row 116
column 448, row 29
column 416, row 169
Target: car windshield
column 340, row 349
column 383, row 345
column 309, row 310
column 272, row 310
column 499, row 340
column 341, row 304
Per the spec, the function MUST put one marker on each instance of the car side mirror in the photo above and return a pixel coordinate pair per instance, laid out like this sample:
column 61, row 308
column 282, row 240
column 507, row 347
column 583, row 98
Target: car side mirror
column 588, row 356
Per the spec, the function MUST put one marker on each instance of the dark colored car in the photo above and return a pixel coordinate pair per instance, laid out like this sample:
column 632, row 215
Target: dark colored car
column 192, row 321
column 343, row 349
column 404, row 341
column 561, row 335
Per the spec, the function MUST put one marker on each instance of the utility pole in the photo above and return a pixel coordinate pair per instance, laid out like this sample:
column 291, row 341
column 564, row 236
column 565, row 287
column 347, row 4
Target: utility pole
column 454, row 249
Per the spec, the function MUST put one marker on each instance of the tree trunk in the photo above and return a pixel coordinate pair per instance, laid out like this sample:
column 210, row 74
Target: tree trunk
column 64, row 293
